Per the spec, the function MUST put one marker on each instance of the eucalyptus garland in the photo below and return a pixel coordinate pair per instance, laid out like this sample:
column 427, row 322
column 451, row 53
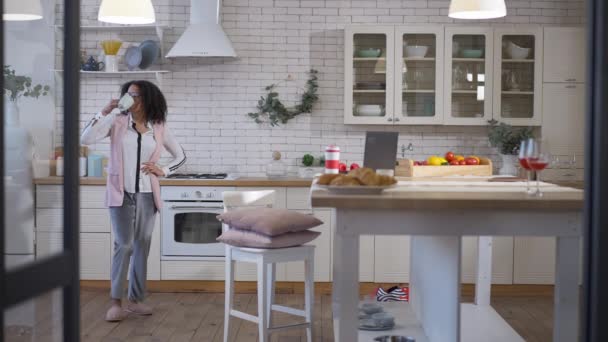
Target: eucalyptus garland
column 270, row 107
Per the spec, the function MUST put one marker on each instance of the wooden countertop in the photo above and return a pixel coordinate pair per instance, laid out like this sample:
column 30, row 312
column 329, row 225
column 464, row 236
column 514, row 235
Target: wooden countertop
column 244, row 182
column 455, row 194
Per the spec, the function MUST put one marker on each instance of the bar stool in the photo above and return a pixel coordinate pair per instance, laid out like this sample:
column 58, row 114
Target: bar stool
column 266, row 260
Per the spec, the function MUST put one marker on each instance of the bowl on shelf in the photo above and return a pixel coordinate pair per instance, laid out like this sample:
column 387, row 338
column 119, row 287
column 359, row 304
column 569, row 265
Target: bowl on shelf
column 368, row 53
column 369, row 110
column 472, row 53
column 416, row 51
column 515, row 51
column 371, row 308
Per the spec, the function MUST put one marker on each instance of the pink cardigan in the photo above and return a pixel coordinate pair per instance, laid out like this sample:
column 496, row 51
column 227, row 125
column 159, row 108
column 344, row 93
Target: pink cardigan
column 115, row 184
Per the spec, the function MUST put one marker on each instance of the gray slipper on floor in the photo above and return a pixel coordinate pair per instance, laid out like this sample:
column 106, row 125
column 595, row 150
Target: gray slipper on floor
column 115, row 314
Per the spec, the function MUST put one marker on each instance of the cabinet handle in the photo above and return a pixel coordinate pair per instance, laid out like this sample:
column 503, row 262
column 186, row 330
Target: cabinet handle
column 396, row 119
column 571, row 80
column 571, row 86
column 390, row 119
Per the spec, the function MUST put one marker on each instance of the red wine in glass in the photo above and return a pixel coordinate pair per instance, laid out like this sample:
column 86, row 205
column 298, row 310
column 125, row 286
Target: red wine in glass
column 524, row 163
column 537, row 165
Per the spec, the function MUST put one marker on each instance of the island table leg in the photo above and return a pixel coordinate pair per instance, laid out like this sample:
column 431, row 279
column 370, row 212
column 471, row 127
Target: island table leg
column 345, row 293
column 566, row 296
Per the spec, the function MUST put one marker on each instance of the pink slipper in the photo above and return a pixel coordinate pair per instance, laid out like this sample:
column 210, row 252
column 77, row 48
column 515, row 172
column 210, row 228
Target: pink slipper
column 115, row 314
column 139, row 309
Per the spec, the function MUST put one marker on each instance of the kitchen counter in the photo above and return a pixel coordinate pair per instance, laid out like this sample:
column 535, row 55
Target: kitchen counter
column 244, row 182
column 436, row 215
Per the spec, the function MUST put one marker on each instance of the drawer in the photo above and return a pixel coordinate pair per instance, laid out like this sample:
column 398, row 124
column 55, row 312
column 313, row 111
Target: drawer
column 51, row 196
column 298, row 198
column 279, row 195
column 91, row 220
column 192, row 270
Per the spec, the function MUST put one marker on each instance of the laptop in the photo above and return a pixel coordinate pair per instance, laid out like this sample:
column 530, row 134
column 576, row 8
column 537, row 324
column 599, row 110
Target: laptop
column 380, row 150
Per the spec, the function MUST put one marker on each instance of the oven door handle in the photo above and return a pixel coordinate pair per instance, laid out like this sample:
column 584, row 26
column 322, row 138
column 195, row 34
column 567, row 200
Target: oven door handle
column 180, row 207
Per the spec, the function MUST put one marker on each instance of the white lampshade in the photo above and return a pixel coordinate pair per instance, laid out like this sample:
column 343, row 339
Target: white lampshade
column 22, row 10
column 126, row 12
column 477, row 9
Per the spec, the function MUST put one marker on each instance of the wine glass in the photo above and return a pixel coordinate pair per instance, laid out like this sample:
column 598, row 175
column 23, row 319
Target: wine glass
column 538, row 158
column 523, row 148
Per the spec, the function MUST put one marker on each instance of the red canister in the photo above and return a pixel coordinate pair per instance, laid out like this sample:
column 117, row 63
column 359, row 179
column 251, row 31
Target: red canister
column 332, row 159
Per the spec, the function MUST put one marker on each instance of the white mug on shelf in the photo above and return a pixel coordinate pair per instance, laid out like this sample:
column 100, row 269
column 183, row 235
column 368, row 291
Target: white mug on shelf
column 111, row 63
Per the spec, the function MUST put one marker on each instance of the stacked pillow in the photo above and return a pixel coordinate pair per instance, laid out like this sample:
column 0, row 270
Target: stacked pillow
column 267, row 228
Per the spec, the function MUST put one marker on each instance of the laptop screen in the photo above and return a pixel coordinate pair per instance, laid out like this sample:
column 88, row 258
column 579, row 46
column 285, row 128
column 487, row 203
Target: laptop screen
column 380, row 150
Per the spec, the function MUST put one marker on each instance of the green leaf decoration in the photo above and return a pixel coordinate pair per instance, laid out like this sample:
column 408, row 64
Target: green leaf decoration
column 270, row 109
column 16, row 86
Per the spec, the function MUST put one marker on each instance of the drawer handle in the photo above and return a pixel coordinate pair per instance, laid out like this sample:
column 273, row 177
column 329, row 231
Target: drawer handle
column 390, row 119
column 571, row 80
column 397, row 119
column 571, row 86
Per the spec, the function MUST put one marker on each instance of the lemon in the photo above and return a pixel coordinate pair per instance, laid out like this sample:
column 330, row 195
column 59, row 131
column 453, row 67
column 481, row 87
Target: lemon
column 434, row 160
column 443, row 160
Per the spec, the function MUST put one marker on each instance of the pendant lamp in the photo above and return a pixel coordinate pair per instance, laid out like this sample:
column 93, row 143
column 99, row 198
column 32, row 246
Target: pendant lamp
column 22, row 10
column 477, row 9
column 126, row 12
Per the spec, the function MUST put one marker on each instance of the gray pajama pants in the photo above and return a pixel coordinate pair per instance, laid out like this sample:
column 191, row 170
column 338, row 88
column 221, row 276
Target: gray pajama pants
column 133, row 224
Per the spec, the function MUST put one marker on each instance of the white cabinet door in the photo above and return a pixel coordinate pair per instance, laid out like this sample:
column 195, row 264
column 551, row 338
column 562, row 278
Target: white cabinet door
column 369, row 53
column 298, row 199
column 534, row 260
column 51, row 196
column 419, row 75
column 502, row 260
column 154, row 255
column 95, row 252
column 564, row 118
column 518, row 75
column 392, row 259
column 366, row 258
column 565, row 54
column 294, row 271
column 468, row 78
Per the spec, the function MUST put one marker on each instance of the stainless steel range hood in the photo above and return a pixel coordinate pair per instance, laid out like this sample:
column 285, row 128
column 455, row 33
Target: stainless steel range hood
column 204, row 37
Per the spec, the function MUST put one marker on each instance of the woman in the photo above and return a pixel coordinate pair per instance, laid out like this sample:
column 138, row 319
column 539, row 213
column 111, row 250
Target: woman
column 137, row 138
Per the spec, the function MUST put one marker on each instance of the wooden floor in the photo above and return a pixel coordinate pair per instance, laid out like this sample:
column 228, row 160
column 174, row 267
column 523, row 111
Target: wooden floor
column 199, row 317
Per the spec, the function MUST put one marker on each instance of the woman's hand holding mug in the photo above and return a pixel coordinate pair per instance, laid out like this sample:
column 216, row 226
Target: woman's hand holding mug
column 110, row 107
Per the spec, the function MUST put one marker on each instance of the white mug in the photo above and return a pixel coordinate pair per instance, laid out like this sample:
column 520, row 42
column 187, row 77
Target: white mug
column 125, row 102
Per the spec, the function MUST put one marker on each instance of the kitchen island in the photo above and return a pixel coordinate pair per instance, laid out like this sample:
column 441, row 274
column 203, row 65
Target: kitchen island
column 437, row 214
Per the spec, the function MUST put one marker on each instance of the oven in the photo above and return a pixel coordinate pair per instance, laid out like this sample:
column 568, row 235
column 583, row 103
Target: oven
column 189, row 221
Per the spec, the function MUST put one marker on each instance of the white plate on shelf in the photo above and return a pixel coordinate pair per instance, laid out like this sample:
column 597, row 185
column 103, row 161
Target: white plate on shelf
column 355, row 189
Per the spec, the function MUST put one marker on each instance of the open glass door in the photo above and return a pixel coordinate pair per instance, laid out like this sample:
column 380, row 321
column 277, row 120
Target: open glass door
column 39, row 138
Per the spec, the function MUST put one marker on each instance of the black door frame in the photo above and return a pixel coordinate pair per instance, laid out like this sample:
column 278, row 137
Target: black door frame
column 60, row 270
column 595, row 304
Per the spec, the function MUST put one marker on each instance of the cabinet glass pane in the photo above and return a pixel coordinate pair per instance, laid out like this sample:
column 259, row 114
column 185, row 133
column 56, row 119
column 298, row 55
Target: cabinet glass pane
column 369, row 74
column 468, row 76
column 419, row 61
column 517, row 76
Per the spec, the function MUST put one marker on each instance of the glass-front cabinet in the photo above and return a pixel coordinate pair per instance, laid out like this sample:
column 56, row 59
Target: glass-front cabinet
column 518, row 76
column 418, row 75
column 369, row 75
column 468, row 76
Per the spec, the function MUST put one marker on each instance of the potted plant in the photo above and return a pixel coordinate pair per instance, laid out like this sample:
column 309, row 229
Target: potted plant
column 15, row 87
column 507, row 139
column 309, row 166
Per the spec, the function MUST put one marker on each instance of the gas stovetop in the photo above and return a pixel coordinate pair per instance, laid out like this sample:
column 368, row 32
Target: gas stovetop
column 199, row 176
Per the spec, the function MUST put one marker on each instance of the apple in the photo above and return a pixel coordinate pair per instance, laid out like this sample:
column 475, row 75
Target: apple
column 342, row 167
column 417, row 163
column 471, row 161
column 449, row 156
column 462, row 162
column 424, row 162
column 354, row 166
column 454, row 162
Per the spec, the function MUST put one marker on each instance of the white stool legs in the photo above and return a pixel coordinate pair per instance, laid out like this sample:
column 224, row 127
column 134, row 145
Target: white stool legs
column 266, row 272
column 229, row 292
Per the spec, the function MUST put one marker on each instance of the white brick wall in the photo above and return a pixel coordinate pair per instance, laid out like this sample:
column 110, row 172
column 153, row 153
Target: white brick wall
column 209, row 98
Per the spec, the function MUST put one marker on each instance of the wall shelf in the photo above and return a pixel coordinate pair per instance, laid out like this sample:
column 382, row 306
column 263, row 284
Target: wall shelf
column 419, row 91
column 506, row 60
column 510, row 92
column 369, row 91
column 419, row 59
column 157, row 73
column 369, row 59
column 477, row 60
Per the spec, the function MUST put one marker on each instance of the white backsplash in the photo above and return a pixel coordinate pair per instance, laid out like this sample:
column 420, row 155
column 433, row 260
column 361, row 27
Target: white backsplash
column 209, row 98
